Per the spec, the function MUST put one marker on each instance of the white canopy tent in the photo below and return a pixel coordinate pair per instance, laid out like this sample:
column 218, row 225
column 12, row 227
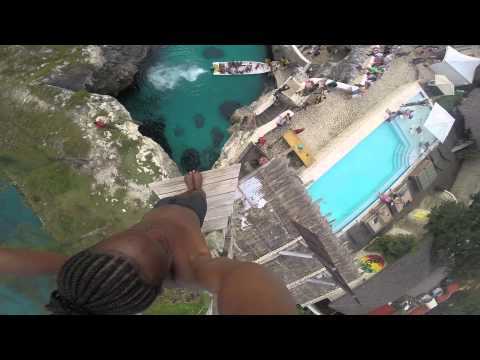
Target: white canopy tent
column 457, row 67
column 439, row 122
column 444, row 85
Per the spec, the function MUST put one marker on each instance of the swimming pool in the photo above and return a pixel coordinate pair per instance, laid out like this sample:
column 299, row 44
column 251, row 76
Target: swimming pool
column 354, row 182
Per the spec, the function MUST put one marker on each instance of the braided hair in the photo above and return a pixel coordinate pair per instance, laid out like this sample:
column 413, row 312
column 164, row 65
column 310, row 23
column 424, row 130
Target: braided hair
column 97, row 283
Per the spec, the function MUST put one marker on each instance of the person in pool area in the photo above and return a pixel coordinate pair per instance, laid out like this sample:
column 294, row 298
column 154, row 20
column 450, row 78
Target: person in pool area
column 386, row 199
column 125, row 273
column 391, row 114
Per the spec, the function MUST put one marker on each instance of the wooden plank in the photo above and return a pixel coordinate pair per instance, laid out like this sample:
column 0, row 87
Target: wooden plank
column 219, row 212
column 215, row 224
column 219, row 200
column 209, row 176
column 215, row 189
column 295, row 143
column 220, row 186
column 178, row 183
column 274, row 253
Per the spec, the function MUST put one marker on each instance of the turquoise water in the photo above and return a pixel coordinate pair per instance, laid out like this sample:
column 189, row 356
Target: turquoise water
column 20, row 227
column 352, row 184
column 178, row 94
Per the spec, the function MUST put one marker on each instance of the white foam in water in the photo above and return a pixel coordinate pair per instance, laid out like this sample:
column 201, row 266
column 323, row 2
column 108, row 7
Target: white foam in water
column 165, row 77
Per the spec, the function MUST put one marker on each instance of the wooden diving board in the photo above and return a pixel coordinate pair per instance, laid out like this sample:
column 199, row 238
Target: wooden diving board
column 220, row 186
column 299, row 147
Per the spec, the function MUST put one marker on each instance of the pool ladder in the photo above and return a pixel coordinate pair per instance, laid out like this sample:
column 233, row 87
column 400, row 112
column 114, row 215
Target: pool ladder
column 400, row 157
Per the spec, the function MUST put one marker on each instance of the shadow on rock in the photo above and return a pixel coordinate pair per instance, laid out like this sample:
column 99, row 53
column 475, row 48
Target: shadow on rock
column 217, row 137
column 190, row 160
column 209, row 156
column 155, row 131
column 228, row 108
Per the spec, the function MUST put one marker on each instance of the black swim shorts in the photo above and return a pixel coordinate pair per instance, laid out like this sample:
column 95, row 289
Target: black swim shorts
column 195, row 201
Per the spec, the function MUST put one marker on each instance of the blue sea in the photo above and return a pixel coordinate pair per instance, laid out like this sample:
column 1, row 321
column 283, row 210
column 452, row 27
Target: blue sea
column 20, row 227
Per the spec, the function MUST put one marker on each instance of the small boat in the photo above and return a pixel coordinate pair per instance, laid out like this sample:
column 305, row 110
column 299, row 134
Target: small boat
column 240, row 68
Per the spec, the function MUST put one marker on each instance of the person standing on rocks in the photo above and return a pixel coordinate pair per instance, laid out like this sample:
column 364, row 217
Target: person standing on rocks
column 125, row 273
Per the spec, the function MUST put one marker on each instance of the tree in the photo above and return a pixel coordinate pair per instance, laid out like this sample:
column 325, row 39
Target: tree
column 455, row 229
column 465, row 302
column 393, row 247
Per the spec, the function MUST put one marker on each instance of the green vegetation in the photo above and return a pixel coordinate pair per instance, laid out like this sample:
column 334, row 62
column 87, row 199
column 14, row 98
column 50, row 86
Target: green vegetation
column 128, row 168
column 40, row 148
column 393, row 247
column 79, row 98
column 37, row 150
column 455, row 229
column 464, row 302
column 27, row 63
column 180, row 302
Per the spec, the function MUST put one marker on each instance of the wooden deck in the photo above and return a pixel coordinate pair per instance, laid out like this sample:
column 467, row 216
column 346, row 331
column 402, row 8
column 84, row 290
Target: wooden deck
column 220, row 185
column 299, row 147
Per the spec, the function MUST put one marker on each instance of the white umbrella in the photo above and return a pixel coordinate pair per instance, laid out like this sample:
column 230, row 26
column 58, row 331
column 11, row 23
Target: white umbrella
column 459, row 68
column 439, row 122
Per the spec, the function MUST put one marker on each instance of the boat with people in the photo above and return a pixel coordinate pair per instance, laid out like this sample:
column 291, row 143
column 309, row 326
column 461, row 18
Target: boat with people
column 240, row 68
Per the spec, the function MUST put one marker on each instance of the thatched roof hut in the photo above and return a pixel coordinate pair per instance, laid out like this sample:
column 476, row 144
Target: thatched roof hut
column 271, row 196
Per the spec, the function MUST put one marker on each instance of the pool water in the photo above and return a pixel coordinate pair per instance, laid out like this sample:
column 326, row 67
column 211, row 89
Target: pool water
column 372, row 166
column 185, row 107
column 20, row 227
column 353, row 182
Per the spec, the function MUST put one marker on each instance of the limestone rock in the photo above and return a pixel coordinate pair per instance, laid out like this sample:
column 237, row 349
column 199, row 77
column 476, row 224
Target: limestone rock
column 347, row 69
column 108, row 69
column 233, row 148
column 242, row 115
column 117, row 71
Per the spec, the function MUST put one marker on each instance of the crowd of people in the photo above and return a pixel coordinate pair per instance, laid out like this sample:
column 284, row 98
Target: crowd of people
column 381, row 60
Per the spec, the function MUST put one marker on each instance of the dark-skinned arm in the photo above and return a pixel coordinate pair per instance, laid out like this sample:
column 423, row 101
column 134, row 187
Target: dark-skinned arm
column 244, row 288
column 20, row 262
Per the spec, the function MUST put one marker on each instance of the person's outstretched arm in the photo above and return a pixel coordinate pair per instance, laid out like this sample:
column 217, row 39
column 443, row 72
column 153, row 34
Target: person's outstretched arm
column 244, row 288
column 19, row 262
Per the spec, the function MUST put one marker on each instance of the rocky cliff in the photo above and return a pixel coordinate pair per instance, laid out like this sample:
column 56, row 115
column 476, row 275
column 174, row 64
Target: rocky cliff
column 339, row 62
column 108, row 69
column 84, row 182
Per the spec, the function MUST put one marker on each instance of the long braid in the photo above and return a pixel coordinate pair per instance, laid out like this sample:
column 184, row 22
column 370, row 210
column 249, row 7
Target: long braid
column 126, row 298
column 66, row 277
column 140, row 298
column 91, row 287
column 99, row 299
column 82, row 278
column 128, row 289
column 97, row 283
column 120, row 284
